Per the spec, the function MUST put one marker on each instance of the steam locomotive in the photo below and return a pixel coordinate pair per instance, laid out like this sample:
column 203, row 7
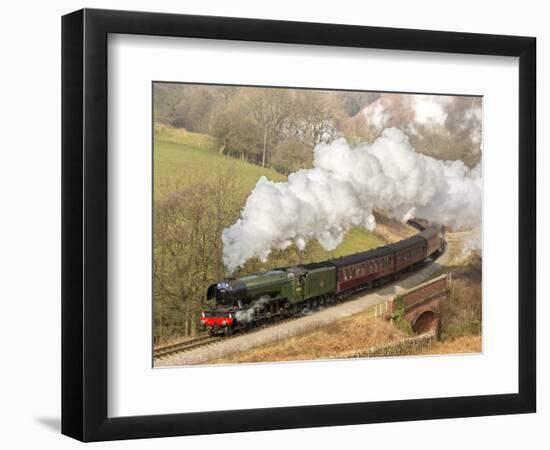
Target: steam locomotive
column 255, row 299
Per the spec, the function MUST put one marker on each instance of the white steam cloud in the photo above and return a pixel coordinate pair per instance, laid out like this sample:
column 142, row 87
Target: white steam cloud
column 341, row 191
column 454, row 122
column 248, row 315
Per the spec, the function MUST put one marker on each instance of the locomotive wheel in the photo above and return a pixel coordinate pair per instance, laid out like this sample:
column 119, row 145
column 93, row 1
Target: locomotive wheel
column 228, row 331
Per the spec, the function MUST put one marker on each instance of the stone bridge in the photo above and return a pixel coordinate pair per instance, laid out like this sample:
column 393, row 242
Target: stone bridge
column 420, row 306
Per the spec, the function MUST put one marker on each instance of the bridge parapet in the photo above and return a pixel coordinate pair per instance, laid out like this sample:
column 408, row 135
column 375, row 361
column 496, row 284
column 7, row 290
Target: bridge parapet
column 420, row 306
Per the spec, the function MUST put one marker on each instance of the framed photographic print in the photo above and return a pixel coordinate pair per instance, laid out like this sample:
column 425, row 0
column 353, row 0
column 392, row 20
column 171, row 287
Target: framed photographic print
column 274, row 224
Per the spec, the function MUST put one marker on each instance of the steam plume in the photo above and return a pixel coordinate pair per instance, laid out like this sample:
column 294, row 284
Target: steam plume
column 452, row 122
column 341, row 191
column 248, row 314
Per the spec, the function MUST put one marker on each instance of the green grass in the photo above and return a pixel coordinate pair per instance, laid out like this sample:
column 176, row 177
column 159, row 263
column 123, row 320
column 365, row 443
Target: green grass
column 357, row 240
column 181, row 158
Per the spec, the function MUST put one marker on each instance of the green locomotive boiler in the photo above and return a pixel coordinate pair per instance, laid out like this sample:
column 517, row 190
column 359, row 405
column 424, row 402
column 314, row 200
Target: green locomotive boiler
column 268, row 296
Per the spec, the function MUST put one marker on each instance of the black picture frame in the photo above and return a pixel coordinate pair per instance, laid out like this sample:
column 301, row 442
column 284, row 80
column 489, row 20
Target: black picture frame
column 84, row 224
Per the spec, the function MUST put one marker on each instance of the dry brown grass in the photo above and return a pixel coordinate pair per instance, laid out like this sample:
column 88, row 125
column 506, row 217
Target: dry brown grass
column 353, row 334
column 461, row 314
column 463, row 344
column 172, row 339
column 392, row 230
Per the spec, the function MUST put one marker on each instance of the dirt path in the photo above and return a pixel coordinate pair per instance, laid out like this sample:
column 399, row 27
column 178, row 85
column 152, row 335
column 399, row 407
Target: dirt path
column 304, row 324
column 455, row 252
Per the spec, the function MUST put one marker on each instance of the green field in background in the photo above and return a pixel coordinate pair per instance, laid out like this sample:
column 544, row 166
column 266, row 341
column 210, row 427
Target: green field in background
column 181, row 158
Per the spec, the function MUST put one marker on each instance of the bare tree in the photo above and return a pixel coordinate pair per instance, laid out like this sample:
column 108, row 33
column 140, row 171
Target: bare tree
column 291, row 155
column 236, row 131
column 188, row 249
column 317, row 116
column 269, row 108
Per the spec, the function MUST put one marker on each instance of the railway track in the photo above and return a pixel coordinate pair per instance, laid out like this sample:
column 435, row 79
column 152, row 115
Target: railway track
column 178, row 347
column 192, row 344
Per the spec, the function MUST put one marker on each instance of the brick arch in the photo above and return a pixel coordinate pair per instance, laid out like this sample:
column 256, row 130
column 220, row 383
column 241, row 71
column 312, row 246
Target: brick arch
column 427, row 320
column 429, row 307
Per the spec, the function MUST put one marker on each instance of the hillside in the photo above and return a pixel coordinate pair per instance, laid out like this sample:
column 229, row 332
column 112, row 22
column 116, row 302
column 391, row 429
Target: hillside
column 181, row 158
column 199, row 192
column 353, row 336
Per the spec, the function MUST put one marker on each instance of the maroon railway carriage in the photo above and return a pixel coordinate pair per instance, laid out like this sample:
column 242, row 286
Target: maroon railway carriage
column 434, row 236
column 362, row 269
column 409, row 251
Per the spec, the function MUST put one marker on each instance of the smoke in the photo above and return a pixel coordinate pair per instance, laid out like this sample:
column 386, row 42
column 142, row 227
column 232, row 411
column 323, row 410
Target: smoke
column 341, row 191
column 471, row 243
column 430, row 109
column 247, row 315
column 439, row 124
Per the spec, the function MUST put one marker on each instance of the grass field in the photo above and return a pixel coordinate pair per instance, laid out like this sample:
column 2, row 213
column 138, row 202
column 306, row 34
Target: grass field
column 182, row 157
